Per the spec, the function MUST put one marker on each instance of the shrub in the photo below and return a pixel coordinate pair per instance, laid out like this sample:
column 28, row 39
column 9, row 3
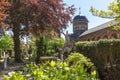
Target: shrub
column 57, row 71
column 79, row 59
column 16, row 76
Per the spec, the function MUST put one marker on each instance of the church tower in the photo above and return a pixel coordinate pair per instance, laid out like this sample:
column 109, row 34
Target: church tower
column 80, row 24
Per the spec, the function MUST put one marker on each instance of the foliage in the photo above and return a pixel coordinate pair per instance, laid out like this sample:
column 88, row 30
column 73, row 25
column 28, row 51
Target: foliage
column 3, row 7
column 37, row 17
column 6, row 42
column 49, row 46
column 59, row 42
column 104, row 54
column 41, row 45
column 46, row 46
column 33, row 42
column 113, row 11
column 49, row 15
column 79, row 59
column 56, row 44
column 15, row 76
column 58, row 71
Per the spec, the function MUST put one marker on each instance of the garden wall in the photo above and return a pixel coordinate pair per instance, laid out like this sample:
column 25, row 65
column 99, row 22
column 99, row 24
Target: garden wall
column 105, row 54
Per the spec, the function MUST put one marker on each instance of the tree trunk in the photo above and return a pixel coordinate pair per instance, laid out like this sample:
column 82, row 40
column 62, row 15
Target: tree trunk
column 16, row 39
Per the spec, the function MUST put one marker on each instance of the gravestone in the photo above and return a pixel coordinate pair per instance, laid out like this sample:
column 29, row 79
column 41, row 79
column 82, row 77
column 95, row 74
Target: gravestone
column 5, row 61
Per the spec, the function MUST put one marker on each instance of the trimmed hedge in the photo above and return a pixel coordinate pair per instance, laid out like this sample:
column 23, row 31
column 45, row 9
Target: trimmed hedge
column 105, row 54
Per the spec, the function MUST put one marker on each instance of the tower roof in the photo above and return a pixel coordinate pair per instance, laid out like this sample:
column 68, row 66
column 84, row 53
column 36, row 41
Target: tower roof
column 80, row 18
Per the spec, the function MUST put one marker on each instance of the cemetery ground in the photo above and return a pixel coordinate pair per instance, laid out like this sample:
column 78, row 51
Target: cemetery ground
column 93, row 64
column 11, row 66
column 57, row 70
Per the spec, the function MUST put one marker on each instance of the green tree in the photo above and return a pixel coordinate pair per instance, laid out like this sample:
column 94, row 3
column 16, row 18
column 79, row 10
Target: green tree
column 46, row 46
column 113, row 11
column 6, row 42
column 56, row 44
column 41, row 47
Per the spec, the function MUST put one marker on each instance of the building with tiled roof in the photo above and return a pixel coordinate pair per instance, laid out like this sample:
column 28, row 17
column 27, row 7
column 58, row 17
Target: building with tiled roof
column 103, row 31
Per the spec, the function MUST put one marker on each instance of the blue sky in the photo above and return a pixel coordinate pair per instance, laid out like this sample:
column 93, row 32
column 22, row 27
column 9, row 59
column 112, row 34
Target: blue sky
column 85, row 7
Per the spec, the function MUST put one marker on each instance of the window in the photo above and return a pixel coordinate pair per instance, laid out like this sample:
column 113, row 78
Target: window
column 81, row 27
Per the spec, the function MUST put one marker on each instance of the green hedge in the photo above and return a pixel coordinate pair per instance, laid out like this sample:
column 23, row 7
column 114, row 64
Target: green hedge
column 105, row 54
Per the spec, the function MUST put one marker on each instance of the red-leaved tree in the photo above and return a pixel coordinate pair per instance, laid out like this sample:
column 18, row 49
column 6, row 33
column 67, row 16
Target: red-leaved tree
column 50, row 14
column 4, row 5
column 37, row 17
